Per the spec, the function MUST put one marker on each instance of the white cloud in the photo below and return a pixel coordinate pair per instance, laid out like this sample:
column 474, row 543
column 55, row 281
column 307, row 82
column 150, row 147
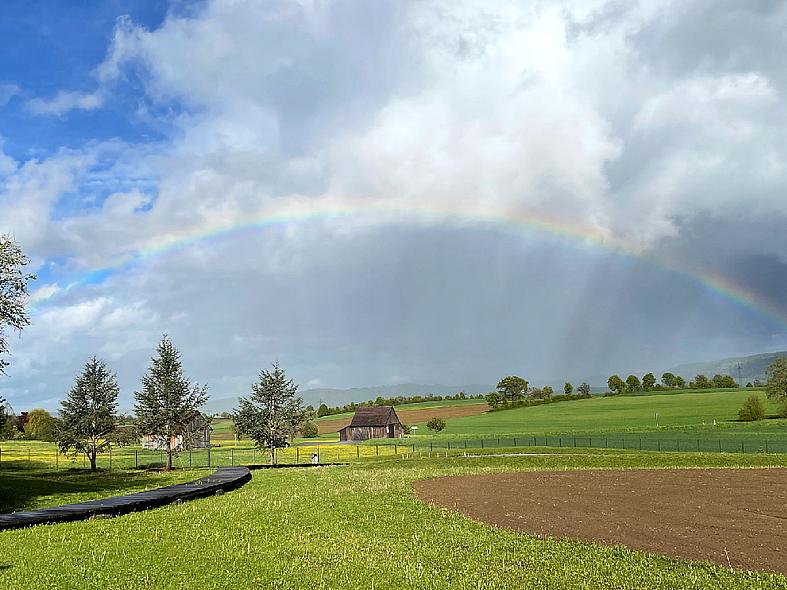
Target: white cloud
column 65, row 101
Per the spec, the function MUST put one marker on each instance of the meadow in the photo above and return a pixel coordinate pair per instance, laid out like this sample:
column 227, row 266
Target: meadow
column 354, row 526
column 688, row 412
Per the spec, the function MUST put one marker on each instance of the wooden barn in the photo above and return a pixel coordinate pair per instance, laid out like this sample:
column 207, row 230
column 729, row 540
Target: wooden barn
column 378, row 422
column 197, row 437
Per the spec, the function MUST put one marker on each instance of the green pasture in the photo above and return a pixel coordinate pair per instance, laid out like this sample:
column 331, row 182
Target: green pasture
column 353, row 526
column 689, row 412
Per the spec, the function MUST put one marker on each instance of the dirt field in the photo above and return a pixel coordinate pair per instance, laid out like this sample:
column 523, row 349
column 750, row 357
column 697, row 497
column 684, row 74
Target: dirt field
column 730, row 517
column 413, row 416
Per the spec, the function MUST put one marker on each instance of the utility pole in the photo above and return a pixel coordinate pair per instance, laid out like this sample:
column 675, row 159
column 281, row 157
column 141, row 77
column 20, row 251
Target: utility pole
column 740, row 380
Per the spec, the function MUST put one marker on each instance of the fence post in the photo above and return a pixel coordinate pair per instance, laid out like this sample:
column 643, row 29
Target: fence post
column 209, row 456
column 498, row 443
column 396, row 449
column 482, row 443
column 659, row 442
column 743, row 450
column 232, row 457
column 766, row 446
column 110, row 457
column 28, row 455
column 189, row 457
column 720, row 445
column 560, row 442
column 698, row 445
column 575, row 442
column 606, row 443
column 136, row 458
column 377, row 450
column 449, row 445
column 465, row 443
column 57, row 457
column 1, row 457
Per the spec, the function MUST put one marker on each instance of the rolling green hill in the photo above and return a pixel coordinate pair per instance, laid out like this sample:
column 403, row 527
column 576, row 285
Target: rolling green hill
column 693, row 412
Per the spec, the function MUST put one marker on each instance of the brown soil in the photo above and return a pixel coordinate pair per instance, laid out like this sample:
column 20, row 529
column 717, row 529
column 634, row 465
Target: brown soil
column 731, row 517
column 413, row 416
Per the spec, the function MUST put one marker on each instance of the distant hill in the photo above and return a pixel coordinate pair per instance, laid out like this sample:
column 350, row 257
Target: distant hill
column 340, row 397
column 752, row 367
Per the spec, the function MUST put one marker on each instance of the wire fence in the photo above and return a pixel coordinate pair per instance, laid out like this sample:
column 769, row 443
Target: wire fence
column 137, row 458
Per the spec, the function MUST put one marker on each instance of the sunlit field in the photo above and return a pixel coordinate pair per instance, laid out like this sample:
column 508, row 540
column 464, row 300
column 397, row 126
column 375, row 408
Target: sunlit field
column 353, row 526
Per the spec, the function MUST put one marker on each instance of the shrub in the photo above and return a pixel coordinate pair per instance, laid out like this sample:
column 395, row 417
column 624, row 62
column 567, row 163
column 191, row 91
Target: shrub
column 309, row 430
column 752, row 410
column 406, row 429
column 436, row 424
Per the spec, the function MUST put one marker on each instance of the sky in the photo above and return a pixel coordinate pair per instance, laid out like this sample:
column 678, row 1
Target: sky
column 373, row 193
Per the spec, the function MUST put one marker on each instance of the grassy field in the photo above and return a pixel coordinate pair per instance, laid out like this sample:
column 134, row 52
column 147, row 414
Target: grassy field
column 355, row 526
column 35, row 488
column 685, row 412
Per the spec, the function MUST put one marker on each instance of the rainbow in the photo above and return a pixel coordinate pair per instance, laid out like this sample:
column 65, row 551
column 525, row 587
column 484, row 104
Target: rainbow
column 365, row 211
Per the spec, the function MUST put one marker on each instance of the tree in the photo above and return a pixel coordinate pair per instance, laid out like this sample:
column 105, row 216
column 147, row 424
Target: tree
column 648, row 381
column 322, row 411
column 13, row 293
column 568, row 389
column 668, row 380
column 753, row 409
column 632, row 384
column 700, row 382
column 616, row 384
column 547, row 392
column 728, row 381
column 776, row 383
column 680, row 382
column 717, row 381
column 309, row 430
column 41, row 425
column 168, row 403
column 436, row 424
column 273, row 413
column 493, row 399
column 584, row 390
column 512, row 387
column 87, row 415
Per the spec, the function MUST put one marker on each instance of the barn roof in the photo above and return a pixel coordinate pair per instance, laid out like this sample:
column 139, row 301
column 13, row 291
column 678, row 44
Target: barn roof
column 376, row 416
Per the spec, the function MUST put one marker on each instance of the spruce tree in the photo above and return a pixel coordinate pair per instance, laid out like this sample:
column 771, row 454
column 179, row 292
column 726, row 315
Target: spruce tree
column 273, row 414
column 168, row 403
column 87, row 415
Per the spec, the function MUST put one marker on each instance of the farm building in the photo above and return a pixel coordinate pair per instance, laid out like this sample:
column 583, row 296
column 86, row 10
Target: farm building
column 197, row 437
column 379, row 422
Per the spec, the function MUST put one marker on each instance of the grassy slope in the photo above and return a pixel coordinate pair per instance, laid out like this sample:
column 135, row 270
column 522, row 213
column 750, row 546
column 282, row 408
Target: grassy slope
column 29, row 489
column 685, row 412
column 356, row 526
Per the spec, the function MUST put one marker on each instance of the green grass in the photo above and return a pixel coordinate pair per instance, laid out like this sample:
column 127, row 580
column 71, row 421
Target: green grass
column 34, row 488
column 685, row 412
column 356, row 526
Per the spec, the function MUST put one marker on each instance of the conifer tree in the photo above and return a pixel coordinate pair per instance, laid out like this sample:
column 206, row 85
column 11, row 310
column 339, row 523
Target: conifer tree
column 273, row 413
column 87, row 415
column 168, row 403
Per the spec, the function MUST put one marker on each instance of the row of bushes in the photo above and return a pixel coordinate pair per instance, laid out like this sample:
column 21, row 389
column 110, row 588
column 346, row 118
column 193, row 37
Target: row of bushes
column 498, row 402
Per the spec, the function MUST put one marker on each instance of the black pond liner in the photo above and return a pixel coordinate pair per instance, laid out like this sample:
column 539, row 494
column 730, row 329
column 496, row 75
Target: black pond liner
column 223, row 479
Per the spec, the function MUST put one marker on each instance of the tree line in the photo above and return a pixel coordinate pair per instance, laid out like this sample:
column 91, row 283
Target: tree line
column 669, row 381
